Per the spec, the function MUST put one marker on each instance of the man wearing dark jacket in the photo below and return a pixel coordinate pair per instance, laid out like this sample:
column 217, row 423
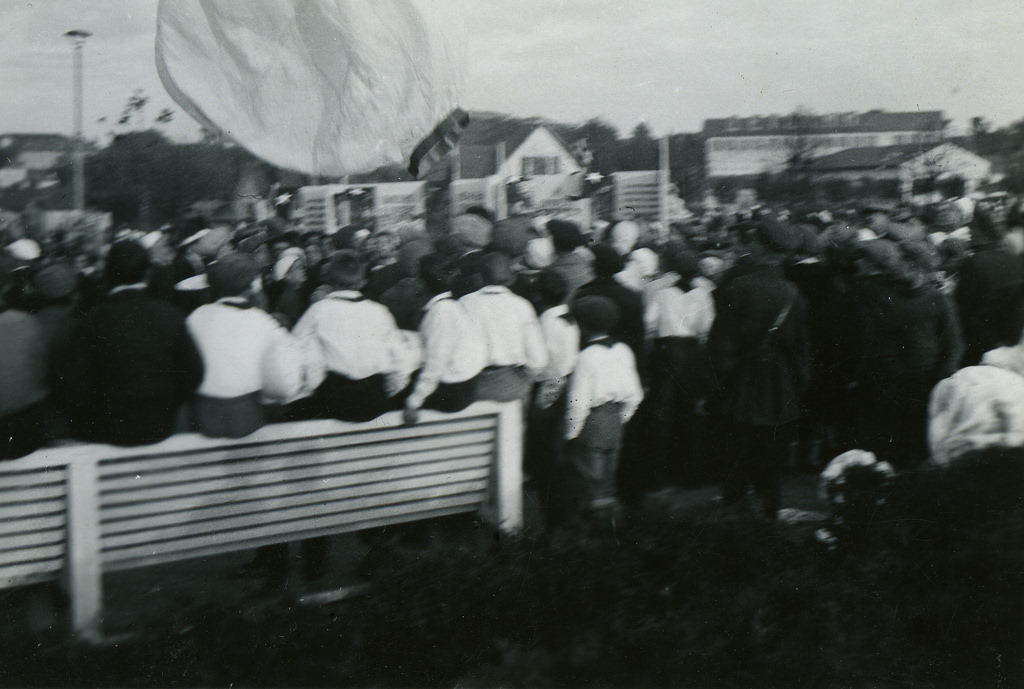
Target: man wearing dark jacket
column 132, row 362
column 760, row 354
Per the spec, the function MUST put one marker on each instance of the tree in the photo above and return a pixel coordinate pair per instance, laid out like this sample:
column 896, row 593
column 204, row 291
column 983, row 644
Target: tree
column 602, row 142
column 640, row 151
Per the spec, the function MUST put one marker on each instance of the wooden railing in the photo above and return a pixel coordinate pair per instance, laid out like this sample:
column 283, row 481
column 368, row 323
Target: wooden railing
column 81, row 510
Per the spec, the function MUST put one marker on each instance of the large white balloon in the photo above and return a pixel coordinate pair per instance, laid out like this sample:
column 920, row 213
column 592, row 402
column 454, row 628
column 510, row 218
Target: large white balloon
column 325, row 87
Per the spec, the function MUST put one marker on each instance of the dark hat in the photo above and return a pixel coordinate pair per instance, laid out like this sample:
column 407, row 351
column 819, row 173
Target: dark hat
column 607, row 261
column 596, row 314
column 682, row 262
column 552, row 287
column 232, row 274
column 565, row 235
column 127, row 262
column 55, row 281
column 777, row 236
column 346, row 269
column 436, row 271
column 511, row 235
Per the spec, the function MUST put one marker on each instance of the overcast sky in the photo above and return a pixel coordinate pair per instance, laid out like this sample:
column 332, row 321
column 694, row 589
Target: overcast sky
column 670, row 63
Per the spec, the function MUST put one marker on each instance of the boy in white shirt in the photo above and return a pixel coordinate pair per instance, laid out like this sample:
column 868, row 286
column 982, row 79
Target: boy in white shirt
column 249, row 359
column 364, row 364
column 603, row 394
column 454, row 352
column 516, row 353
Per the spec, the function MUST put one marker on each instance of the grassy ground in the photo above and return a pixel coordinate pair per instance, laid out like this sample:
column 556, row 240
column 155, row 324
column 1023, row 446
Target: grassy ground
column 680, row 593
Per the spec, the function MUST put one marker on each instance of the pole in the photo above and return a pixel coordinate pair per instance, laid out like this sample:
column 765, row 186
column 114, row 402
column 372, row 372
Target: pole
column 663, row 182
column 78, row 182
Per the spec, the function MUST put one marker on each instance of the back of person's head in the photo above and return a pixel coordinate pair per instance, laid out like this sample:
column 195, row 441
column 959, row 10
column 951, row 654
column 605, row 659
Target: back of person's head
column 232, row 275
column 511, row 236
column 596, row 315
column 497, row 269
column 623, row 236
column 565, row 235
column 410, row 254
column 127, row 263
column 552, row 287
column 346, row 270
column 607, row 261
column 436, row 272
column 55, row 282
column 683, row 263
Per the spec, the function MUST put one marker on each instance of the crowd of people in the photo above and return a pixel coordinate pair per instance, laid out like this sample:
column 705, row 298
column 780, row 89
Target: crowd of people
column 722, row 349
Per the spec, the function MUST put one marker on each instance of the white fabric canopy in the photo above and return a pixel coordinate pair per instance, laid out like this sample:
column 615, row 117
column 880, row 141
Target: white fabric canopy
column 324, row 87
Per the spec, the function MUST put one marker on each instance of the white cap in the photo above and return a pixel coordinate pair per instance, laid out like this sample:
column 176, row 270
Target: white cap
column 24, row 249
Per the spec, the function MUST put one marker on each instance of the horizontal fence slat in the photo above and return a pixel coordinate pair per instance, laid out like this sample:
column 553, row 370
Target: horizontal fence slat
column 15, row 511
column 47, row 550
column 241, row 465
column 265, row 534
column 387, row 517
column 26, row 479
column 269, row 508
column 29, row 572
column 234, row 494
column 32, row 523
column 315, row 511
column 155, row 462
column 228, row 480
column 33, row 494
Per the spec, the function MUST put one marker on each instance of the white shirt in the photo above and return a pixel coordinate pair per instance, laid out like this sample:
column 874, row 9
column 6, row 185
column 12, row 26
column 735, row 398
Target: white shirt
column 562, row 339
column 453, row 347
column 245, row 350
column 675, row 313
column 356, row 338
column 510, row 328
column 603, row 374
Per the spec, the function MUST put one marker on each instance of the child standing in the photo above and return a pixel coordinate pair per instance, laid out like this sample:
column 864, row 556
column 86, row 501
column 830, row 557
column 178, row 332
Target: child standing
column 603, row 394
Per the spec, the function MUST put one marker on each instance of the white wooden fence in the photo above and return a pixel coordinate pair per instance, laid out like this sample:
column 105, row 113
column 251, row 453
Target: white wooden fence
column 81, row 510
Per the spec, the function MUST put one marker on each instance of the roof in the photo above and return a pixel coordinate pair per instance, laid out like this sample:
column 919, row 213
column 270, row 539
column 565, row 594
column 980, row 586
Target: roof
column 871, row 121
column 871, row 157
column 34, row 142
column 478, row 143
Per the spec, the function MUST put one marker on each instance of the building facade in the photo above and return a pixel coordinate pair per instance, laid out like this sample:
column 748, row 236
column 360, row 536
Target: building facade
column 750, row 146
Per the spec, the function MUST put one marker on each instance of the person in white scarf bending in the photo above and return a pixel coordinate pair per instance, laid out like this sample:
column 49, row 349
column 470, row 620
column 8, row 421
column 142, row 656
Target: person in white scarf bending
column 982, row 406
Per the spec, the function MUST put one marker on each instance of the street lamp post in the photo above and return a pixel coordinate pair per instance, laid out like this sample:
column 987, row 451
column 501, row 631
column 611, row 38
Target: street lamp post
column 78, row 41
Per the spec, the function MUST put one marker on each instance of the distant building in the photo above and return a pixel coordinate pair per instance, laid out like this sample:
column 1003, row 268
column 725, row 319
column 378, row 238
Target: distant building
column 750, row 146
column 907, row 164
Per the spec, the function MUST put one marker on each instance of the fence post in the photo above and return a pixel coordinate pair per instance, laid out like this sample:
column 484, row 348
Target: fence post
column 85, row 575
column 508, row 469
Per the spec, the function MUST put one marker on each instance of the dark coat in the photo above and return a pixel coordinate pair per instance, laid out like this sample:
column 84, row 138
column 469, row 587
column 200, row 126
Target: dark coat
column 630, row 328
column 903, row 335
column 986, row 281
column 761, row 376
column 131, row 364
